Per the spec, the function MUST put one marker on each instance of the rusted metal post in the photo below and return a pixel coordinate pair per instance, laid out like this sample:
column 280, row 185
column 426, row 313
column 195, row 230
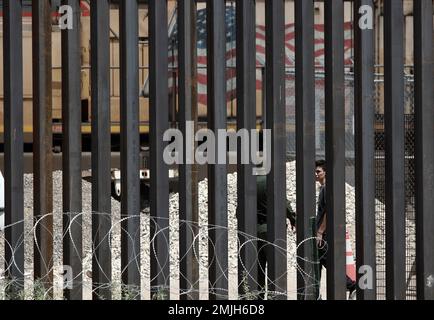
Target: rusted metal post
column 335, row 147
column 13, row 142
column 395, row 139
column 275, row 117
column 130, row 146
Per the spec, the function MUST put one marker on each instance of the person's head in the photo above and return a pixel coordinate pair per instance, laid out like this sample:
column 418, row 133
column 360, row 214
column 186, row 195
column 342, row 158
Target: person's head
column 320, row 171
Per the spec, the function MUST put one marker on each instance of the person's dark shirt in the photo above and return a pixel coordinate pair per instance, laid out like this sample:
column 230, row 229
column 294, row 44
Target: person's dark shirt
column 321, row 207
column 261, row 183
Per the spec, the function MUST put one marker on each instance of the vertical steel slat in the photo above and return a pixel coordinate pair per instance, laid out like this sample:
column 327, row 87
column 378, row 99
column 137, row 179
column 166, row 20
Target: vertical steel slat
column 13, row 140
column 275, row 122
column 42, row 142
column 394, row 132
column 188, row 228
column 305, row 141
column 159, row 123
column 335, row 148
column 101, row 183
column 195, row 166
column 130, row 146
column 424, row 156
column 217, row 184
column 71, row 158
column 246, row 119
column 364, row 149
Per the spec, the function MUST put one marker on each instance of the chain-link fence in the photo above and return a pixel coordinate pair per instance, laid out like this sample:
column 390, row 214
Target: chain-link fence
column 379, row 159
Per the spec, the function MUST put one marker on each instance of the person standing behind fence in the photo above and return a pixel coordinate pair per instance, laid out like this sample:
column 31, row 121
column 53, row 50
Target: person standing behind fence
column 263, row 245
column 321, row 223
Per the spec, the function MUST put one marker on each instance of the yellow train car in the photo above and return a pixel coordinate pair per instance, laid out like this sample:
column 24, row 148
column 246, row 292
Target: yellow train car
column 85, row 71
column 86, row 102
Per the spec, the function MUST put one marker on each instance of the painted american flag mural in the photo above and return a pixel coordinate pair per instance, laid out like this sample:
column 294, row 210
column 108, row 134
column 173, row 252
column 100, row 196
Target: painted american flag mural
column 260, row 52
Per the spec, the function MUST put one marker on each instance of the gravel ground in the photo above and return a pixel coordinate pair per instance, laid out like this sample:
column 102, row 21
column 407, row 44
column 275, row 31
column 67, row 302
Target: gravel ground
column 174, row 227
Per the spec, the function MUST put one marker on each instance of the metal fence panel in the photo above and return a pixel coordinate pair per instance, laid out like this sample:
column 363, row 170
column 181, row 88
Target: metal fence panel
column 333, row 112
